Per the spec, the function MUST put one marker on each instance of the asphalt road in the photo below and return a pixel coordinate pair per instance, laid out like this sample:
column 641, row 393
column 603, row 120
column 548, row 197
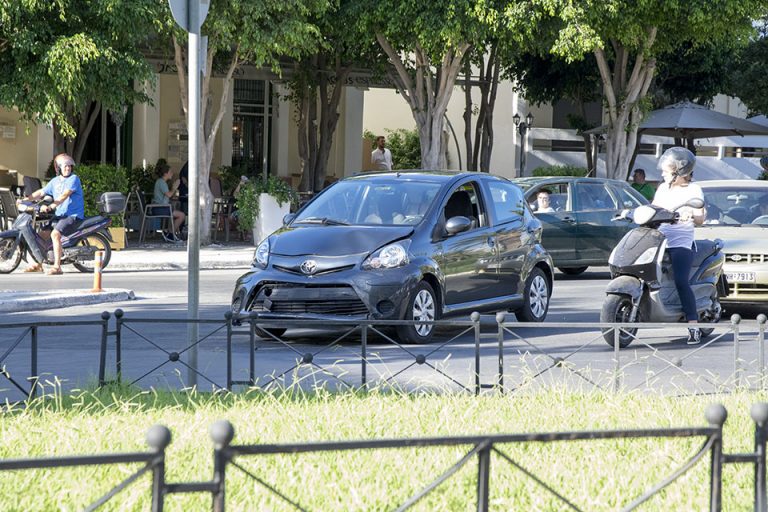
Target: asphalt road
column 533, row 356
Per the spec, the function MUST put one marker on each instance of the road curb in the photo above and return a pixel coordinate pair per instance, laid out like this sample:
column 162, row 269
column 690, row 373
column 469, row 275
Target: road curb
column 12, row 302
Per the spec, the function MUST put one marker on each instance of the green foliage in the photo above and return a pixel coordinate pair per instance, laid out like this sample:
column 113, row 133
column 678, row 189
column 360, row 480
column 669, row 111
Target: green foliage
column 143, row 178
column 97, row 179
column 560, row 170
column 56, row 57
column 247, row 200
column 404, row 146
column 749, row 76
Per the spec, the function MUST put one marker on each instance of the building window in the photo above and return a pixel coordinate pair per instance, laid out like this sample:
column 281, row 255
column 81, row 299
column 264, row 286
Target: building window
column 252, row 126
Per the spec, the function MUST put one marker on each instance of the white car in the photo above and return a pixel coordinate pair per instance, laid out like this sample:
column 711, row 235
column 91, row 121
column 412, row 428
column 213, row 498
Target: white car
column 737, row 213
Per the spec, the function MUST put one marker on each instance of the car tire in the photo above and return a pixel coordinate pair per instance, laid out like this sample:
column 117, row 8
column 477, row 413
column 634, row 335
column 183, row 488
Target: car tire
column 572, row 271
column 537, row 295
column 269, row 333
column 422, row 305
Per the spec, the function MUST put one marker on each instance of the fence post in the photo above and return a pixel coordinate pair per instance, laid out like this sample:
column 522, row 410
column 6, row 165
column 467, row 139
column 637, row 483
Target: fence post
column 759, row 414
column 158, row 438
column 103, row 355
column 475, row 316
column 222, row 432
column 252, row 353
column 716, row 415
column 228, row 319
column 500, row 317
column 483, row 478
column 761, row 319
column 119, row 344
column 364, row 357
column 33, row 363
column 616, row 357
column 735, row 321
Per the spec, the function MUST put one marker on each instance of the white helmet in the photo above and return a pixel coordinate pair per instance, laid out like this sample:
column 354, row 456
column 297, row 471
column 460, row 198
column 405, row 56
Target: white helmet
column 679, row 160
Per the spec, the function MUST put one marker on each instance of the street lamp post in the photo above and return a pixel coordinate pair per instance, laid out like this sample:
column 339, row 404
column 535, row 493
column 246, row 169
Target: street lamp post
column 522, row 129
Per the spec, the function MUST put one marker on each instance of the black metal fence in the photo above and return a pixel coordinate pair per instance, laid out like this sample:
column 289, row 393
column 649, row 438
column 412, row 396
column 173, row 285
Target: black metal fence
column 477, row 354
column 482, row 449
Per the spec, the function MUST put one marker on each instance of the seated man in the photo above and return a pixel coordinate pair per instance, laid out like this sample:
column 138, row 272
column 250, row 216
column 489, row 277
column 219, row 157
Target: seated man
column 67, row 193
column 543, row 202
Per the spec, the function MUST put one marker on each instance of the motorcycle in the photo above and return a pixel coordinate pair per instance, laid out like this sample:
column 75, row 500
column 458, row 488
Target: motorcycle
column 642, row 288
column 79, row 248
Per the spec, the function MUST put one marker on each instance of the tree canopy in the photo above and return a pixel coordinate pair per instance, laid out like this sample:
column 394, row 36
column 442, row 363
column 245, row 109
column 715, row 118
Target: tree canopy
column 61, row 61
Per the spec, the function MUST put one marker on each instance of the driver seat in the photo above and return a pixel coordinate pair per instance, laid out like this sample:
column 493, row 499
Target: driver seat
column 460, row 204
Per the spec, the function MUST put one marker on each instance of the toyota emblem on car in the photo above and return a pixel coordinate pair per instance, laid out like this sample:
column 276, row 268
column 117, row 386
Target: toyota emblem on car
column 309, row 267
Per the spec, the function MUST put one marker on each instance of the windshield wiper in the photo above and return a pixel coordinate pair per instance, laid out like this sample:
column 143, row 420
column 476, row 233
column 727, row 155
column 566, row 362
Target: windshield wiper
column 322, row 220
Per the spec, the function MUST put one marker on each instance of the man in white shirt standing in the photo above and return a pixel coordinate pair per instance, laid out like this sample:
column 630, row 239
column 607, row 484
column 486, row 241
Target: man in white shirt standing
column 381, row 157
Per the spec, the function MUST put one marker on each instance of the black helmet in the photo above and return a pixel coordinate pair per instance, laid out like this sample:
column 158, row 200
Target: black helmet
column 679, row 160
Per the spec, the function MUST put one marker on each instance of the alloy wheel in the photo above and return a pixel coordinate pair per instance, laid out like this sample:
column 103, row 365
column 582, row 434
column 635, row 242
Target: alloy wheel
column 424, row 309
column 538, row 296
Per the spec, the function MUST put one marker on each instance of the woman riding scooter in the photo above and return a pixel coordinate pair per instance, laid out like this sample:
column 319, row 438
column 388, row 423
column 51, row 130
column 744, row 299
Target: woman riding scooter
column 676, row 165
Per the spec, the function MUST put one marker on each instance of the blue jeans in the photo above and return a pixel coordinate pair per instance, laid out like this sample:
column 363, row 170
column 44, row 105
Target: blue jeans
column 682, row 260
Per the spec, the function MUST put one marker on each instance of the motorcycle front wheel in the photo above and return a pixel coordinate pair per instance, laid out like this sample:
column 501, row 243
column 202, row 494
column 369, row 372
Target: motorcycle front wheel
column 618, row 309
column 100, row 243
column 10, row 255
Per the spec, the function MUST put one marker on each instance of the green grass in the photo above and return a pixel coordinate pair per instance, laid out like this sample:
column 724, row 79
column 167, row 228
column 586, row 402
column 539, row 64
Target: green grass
column 595, row 475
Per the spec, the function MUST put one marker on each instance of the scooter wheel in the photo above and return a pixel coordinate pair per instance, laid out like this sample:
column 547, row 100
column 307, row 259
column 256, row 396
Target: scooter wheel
column 618, row 309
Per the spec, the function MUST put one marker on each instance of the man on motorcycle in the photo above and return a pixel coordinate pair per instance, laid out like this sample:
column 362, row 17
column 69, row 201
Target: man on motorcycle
column 67, row 193
column 676, row 166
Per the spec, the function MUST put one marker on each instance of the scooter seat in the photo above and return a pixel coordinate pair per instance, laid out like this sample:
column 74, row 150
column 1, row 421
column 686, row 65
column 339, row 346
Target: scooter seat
column 89, row 221
column 704, row 249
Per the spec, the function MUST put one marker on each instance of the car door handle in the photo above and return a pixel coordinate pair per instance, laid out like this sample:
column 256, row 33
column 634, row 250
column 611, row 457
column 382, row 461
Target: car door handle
column 491, row 241
column 569, row 220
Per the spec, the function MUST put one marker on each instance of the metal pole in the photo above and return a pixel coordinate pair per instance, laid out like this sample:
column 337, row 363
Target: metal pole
column 476, row 319
column 364, row 356
column 759, row 414
column 103, row 355
column 33, row 380
column 483, row 478
column 119, row 344
column 716, row 416
column 735, row 320
column 158, row 439
column 222, row 434
column 228, row 318
column 761, row 319
column 616, row 356
column 193, row 240
column 252, row 354
column 500, row 321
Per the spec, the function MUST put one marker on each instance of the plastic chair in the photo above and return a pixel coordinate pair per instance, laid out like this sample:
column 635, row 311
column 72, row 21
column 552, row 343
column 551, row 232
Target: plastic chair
column 221, row 209
column 8, row 209
column 153, row 211
column 31, row 184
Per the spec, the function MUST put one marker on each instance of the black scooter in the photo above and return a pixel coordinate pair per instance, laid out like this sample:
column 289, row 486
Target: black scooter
column 79, row 248
column 643, row 289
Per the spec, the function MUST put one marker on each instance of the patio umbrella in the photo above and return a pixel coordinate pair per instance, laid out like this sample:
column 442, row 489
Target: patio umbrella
column 688, row 120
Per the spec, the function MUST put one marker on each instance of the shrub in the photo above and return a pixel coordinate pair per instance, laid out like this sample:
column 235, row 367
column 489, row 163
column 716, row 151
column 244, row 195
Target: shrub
column 404, row 145
column 248, row 198
column 560, row 170
column 97, row 179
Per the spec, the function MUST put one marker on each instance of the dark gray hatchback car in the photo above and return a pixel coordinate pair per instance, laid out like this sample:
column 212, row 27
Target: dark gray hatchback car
column 415, row 245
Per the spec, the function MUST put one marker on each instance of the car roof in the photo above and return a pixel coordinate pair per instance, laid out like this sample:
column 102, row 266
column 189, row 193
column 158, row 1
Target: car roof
column 439, row 176
column 751, row 184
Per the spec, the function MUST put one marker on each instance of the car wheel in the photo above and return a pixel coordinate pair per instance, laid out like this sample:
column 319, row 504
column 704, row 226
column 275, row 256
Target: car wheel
column 422, row 305
column 537, row 296
column 618, row 309
column 572, row 271
column 269, row 333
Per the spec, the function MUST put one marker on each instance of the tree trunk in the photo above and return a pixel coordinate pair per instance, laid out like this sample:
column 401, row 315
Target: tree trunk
column 623, row 95
column 83, row 122
column 427, row 93
column 468, row 105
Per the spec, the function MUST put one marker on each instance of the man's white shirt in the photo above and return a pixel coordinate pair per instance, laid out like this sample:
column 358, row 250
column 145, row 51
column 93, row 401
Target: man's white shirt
column 382, row 160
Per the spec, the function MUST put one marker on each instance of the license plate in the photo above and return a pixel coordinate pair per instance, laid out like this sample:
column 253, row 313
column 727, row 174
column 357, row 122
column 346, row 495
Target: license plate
column 740, row 277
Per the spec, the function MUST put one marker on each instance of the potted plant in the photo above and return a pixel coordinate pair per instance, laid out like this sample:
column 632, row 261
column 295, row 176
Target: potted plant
column 262, row 204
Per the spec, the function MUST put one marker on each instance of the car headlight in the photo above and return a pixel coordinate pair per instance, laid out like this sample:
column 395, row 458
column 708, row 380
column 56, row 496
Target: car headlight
column 390, row 256
column 647, row 256
column 261, row 256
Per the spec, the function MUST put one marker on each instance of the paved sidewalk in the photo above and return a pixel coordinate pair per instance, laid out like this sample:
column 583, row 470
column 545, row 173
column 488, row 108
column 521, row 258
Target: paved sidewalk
column 148, row 257
column 164, row 256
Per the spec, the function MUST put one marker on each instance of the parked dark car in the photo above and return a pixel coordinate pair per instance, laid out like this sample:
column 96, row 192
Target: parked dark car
column 415, row 245
column 579, row 231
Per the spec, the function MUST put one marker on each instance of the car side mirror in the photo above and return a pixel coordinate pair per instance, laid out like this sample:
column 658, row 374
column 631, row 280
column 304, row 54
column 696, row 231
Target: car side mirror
column 457, row 224
column 288, row 218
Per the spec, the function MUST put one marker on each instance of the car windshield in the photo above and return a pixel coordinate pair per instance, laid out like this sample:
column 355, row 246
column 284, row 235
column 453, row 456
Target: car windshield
column 393, row 202
column 736, row 206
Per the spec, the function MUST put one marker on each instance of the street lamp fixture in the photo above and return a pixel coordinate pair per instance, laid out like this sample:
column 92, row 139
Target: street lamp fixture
column 522, row 129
